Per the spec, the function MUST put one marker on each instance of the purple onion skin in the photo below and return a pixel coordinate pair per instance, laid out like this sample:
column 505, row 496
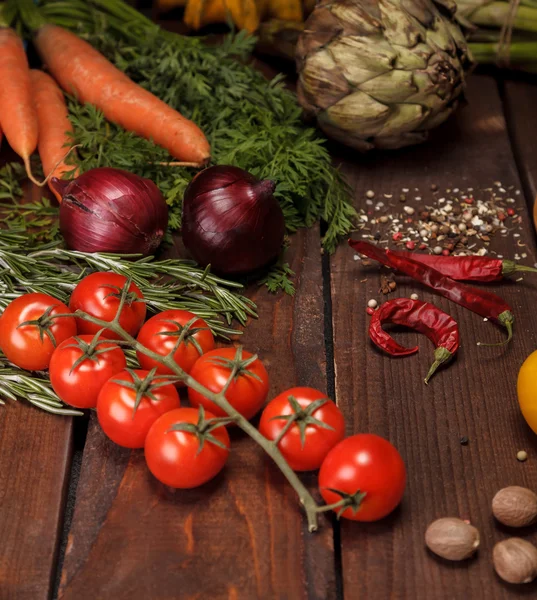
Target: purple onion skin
column 232, row 221
column 111, row 210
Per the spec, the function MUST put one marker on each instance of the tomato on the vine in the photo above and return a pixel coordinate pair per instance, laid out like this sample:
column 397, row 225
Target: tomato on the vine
column 318, row 426
column 130, row 402
column 367, row 473
column 186, row 447
column 248, row 390
column 162, row 332
column 81, row 365
column 29, row 333
column 99, row 295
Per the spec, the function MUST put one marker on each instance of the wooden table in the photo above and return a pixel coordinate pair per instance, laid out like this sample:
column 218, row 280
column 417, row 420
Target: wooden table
column 80, row 513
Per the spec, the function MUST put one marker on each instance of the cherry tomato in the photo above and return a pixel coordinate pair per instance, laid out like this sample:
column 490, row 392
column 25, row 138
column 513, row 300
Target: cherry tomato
column 81, row 365
column 174, row 456
column 118, row 416
column 99, row 294
column 369, row 465
column 28, row 334
column 318, row 426
column 161, row 333
column 248, row 391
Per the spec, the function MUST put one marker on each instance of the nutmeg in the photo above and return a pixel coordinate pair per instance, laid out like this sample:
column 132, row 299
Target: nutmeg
column 452, row 538
column 515, row 506
column 515, row 560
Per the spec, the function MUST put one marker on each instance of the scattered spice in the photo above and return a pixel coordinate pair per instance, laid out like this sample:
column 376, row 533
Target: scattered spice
column 522, row 455
column 424, row 317
column 372, row 303
column 464, row 441
column 486, row 212
column 370, row 194
column 384, row 285
column 414, row 297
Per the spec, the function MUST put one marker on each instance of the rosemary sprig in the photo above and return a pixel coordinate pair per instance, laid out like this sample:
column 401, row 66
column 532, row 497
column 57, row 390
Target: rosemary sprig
column 166, row 284
column 35, row 388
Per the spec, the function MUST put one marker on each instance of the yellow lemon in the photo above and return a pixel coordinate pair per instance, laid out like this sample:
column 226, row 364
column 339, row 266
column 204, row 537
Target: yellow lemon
column 527, row 390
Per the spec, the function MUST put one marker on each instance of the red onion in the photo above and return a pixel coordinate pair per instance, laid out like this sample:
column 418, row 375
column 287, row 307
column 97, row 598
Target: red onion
column 231, row 220
column 111, row 210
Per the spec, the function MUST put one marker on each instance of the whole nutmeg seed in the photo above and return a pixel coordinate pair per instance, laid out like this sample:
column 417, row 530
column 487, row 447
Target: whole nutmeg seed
column 515, row 560
column 515, row 506
column 452, row 538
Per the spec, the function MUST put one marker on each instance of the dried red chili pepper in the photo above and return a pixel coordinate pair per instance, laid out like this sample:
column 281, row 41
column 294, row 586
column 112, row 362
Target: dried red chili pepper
column 468, row 268
column 483, row 303
column 424, row 317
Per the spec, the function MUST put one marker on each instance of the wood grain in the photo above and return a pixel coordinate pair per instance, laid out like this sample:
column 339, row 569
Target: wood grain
column 475, row 396
column 520, row 102
column 35, row 454
column 241, row 535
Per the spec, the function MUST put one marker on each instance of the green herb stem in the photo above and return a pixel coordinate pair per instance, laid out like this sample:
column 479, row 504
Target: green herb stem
column 306, row 499
column 521, row 54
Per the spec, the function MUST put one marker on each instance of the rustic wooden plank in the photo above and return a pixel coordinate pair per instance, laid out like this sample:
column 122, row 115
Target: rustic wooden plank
column 520, row 101
column 474, row 397
column 35, row 458
column 240, row 536
column 35, row 454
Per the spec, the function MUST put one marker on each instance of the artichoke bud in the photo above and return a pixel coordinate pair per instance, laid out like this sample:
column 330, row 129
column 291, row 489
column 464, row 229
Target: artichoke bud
column 381, row 73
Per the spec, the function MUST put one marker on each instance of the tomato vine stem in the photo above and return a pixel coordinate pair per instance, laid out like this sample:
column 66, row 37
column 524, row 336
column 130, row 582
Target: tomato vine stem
column 306, row 499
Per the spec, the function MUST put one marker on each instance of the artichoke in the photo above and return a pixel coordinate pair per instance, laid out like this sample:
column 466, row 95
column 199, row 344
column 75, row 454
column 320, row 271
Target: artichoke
column 381, row 73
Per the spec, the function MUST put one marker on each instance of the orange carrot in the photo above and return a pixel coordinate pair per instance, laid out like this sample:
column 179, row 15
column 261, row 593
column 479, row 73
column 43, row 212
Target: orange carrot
column 18, row 117
column 83, row 71
column 54, row 127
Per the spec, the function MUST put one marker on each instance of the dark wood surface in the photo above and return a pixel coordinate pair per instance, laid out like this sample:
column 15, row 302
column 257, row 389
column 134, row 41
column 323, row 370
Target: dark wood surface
column 474, row 397
column 242, row 535
column 35, row 454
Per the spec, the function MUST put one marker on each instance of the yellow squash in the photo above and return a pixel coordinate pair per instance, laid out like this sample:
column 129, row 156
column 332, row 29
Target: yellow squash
column 245, row 14
column 286, row 10
column 527, row 390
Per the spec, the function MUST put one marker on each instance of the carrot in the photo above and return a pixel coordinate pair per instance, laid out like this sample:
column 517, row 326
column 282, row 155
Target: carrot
column 83, row 71
column 54, row 127
column 18, row 117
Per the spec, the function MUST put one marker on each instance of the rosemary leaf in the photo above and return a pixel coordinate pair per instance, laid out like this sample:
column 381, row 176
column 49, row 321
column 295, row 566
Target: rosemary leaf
column 35, row 388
